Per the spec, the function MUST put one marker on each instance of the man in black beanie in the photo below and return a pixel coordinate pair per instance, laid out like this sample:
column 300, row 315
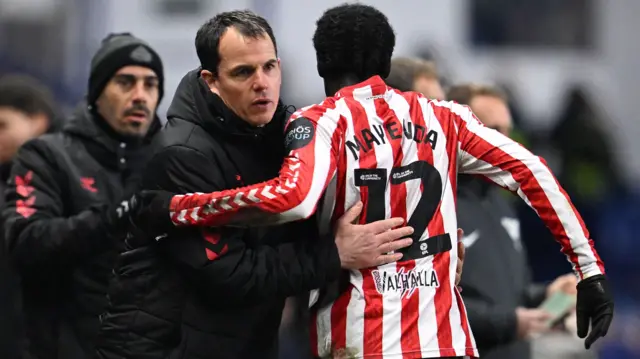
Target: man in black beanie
column 67, row 199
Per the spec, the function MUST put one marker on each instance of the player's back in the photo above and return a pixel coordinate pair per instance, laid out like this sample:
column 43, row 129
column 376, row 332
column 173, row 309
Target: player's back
column 395, row 158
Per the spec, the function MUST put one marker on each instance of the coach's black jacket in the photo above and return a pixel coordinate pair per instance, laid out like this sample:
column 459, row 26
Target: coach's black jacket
column 59, row 186
column 496, row 276
column 215, row 293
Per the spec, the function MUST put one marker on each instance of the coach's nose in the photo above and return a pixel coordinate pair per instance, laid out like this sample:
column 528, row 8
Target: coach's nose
column 260, row 83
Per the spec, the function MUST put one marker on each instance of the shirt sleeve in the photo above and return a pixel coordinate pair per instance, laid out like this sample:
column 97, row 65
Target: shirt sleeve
column 230, row 261
column 484, row 151
column 313, row 139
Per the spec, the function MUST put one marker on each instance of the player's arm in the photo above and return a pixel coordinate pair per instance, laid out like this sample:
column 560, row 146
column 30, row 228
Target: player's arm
column 312, row 140
column 486, row 152
column 219, row 261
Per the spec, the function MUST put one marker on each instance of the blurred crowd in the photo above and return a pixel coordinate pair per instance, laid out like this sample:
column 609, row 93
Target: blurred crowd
column 577, row 147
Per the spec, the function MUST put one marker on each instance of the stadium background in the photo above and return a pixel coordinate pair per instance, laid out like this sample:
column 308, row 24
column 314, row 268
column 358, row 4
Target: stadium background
column 570, row 67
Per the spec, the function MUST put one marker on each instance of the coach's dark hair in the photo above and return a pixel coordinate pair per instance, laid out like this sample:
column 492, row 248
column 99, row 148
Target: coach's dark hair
column 25, row 94
column 353, row 39
column 247, row 23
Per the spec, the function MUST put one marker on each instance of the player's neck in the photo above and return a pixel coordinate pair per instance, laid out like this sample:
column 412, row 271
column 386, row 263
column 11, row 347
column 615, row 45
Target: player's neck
column 334, row 84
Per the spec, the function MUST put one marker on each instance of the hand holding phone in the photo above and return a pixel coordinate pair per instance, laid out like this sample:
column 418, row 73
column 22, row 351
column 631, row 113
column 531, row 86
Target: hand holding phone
column 558, row 305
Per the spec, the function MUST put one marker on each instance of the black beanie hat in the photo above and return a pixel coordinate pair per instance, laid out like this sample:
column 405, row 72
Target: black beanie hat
column 117, row 51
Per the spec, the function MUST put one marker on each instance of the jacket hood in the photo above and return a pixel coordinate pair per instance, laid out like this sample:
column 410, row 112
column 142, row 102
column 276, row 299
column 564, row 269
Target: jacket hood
column 194, row 102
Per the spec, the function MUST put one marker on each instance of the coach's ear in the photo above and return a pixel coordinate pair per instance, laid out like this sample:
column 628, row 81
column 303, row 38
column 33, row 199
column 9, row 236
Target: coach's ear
column 210, row 80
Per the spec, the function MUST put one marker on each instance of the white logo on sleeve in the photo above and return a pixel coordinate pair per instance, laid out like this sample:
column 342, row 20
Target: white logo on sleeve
column 470, row 238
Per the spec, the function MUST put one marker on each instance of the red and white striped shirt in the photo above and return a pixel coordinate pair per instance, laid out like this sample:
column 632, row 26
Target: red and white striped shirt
column 400, row 154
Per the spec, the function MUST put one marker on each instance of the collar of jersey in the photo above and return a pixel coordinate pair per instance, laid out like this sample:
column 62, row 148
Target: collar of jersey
column 378, row 87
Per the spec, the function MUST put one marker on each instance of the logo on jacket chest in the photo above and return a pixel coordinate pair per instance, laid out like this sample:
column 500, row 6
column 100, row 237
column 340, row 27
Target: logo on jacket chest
column 512, row 227
column 88, row 183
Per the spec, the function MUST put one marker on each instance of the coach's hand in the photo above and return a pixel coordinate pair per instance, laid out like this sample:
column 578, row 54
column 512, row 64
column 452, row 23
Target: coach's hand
column 594, row 305
column 369, row 245
column 150, row 212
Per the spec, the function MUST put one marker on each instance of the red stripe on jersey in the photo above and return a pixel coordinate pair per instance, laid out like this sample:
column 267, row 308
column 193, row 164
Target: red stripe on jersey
column 481, row 148
column 410, row 311
column 448, row 127
column 441, row 261
column 341, row 176
column 339, row 321
column 465, row 325
column 373, row 311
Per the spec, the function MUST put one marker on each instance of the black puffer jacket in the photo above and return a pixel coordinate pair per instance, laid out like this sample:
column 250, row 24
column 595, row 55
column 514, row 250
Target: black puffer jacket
column 11, row 323
column 55, row 232
column 217, row 293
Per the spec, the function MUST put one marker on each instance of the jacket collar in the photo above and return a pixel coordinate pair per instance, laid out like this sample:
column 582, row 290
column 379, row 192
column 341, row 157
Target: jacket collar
column 103, row 143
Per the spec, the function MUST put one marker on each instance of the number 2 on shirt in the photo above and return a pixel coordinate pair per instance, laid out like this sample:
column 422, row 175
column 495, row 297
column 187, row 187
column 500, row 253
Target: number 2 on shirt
column 376, row 179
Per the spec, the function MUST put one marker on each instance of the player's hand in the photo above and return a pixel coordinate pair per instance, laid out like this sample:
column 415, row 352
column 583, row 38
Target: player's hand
column 531, row 322
column 460, row 257
column 594, row 305
column 369, row 245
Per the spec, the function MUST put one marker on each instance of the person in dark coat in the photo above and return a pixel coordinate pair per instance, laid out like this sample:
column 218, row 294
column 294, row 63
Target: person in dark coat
column 27, row 110
column 66, row 199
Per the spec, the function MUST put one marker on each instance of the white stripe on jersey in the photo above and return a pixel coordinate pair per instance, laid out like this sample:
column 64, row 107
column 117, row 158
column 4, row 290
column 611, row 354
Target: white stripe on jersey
column 392, row 303
column 449, row 219
column 355, row 314
column 352, row 193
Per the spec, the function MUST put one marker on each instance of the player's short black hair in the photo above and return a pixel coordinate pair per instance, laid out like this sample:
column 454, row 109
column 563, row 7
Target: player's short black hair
column 27, row 95
column 354, row 39
column 246, row 22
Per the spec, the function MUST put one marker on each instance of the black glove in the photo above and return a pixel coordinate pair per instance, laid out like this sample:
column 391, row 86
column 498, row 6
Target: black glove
column 116, row 217
column 150, row 213
column 595, row 305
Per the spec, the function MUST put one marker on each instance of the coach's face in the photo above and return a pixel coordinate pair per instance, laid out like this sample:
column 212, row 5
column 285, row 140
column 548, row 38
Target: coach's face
column 248, row 78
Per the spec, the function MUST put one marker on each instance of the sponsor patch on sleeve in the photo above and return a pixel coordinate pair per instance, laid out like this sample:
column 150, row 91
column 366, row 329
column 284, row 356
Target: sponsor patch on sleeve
column 299, row 133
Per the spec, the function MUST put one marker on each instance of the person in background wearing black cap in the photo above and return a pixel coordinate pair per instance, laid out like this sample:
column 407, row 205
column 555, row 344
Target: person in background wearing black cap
column 67, row 199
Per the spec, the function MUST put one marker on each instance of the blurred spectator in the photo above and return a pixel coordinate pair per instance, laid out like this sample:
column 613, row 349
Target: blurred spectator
column 497, row 288
column 590, row 170
column 413, row 74
column 64, row 212
column 27, row 110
